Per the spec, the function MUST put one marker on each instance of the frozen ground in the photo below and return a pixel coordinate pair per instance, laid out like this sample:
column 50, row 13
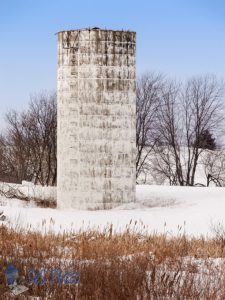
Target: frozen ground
column 170, row 209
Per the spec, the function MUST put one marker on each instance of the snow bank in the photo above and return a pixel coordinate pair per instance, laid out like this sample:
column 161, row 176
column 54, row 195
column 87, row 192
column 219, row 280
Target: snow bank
column 169, row 209
column 30, row 190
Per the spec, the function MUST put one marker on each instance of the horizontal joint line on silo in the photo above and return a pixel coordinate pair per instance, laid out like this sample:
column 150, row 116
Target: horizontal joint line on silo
column 92, row 65
column 110, row 78
column 100, row 41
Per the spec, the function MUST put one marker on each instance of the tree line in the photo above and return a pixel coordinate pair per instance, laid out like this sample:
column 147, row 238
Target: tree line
column 28, row 146
column 177, row 128
column 175, row 124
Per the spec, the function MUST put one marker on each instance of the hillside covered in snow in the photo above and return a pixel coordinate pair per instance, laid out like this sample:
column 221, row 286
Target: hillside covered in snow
column 162, row 209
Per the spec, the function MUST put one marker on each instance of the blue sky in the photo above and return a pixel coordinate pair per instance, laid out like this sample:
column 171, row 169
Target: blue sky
column 180, row 38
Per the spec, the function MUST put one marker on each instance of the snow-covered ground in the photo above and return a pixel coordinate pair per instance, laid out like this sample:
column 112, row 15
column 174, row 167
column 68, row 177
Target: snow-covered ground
column 169, row 209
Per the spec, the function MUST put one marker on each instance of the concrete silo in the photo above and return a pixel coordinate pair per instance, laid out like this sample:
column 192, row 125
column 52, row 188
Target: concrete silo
column 96, row 118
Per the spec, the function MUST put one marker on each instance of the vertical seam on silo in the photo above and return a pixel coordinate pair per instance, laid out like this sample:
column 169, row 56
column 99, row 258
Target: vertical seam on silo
column 78, row 98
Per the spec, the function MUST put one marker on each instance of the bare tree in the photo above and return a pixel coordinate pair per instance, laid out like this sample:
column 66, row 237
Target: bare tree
column 184, row 115
column 203, row 104
column 149, row 88
column 168, row 149
column 40, row 125
column 214, row 167
column 30, row 142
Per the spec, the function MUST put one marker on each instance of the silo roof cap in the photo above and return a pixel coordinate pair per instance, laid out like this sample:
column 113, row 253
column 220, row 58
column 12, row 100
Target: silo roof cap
column 94, row 28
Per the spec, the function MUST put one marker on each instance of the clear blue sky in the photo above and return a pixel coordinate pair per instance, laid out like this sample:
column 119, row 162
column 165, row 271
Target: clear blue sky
column 180, row 38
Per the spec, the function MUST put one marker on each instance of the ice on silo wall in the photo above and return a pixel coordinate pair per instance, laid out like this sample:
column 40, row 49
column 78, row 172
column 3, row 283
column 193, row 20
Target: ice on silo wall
column 96, row 118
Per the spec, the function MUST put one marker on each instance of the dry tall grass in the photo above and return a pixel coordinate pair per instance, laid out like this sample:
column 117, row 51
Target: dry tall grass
column 130, row 265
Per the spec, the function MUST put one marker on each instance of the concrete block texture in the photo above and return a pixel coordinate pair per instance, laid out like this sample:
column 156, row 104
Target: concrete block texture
column 96, row 132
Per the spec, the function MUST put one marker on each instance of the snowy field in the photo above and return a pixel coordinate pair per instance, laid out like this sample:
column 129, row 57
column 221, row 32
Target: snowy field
column 169, row 209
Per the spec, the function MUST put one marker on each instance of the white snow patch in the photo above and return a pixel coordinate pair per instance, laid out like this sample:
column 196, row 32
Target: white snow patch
column 168, row 209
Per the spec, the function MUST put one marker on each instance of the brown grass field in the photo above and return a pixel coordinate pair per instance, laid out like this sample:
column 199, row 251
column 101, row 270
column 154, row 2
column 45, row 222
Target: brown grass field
column 130, row 265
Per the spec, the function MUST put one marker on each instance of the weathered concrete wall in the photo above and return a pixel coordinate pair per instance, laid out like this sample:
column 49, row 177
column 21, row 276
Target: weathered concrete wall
column 96, row 118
